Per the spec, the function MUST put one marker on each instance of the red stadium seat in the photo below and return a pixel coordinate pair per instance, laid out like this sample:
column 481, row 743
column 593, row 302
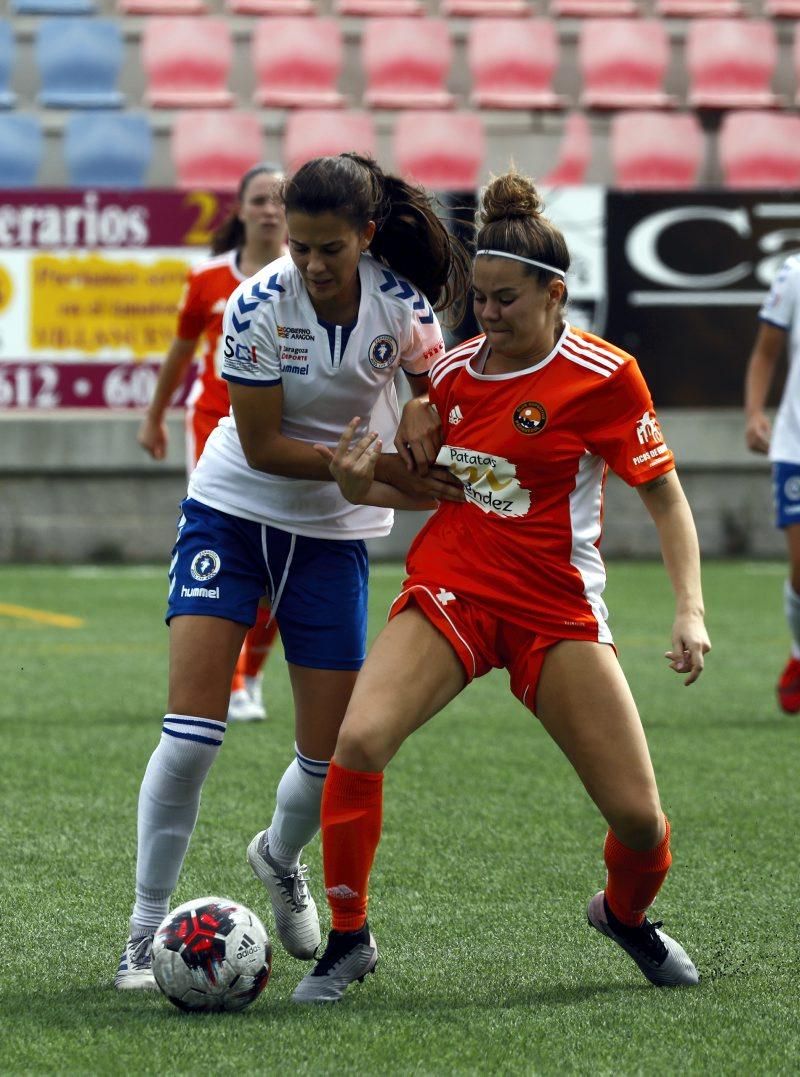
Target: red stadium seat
column 624, row 63
column 693, row 9
column 760, row 149
column 324, row 133
column 372, row 8
column 441, row 150
column 297, row 62
column 187, row 60
column 731, row 63
column 593, row 9
column 213, row 149
column 162, row 7
column 782, row 9
column 656, row 150
column 270, row 7
column 574, row 154
column 512, row 63
column 484, row 8
column 406, row 63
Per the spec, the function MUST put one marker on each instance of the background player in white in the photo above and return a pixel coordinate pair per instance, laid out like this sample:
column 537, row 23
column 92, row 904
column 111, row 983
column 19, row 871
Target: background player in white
column 780, row 324
column 252, row 234
column 310, row 340
column 533, row 412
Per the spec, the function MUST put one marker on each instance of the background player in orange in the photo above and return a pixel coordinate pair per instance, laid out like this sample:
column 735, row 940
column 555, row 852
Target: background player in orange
column 533, row 412
column 252, row 235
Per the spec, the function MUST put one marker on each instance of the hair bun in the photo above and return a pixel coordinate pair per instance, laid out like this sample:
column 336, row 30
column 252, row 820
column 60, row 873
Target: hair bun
column 510, row 195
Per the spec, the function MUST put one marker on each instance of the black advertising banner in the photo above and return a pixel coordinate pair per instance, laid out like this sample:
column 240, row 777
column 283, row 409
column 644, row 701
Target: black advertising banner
column 686, row 275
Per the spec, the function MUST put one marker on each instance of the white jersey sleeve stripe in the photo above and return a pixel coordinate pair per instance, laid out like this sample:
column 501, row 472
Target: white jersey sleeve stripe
column 442, row 372
column 591, row 351
column 584, row 363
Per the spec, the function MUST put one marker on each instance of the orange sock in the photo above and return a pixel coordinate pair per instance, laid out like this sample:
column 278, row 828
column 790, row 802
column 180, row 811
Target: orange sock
column 352, row 815
column 634, row 876
column 258, row 643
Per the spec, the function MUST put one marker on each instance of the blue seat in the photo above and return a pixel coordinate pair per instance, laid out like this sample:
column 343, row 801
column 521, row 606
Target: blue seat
column 21, row 149
column 53, row 7
column 79, row 62
column 7, row 46
column 106, row 149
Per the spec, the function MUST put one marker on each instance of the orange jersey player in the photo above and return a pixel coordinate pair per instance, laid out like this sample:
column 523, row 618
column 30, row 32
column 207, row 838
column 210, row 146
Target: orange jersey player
column 532, row 451
column 252, row 235
column 533, row 413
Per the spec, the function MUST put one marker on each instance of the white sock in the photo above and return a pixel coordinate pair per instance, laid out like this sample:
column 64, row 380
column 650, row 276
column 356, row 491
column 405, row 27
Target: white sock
column 791, row 605
column 169, row 801
column 296, row 818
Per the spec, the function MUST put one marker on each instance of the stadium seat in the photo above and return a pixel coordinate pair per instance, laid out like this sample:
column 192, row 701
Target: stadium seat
column 692, row 9
column 21, row 150
column 270, row 7
column 484, row 8
column 656, row 150
column 324, row 133
column 107, row 149
column 406, row 63
column 213, row 149
column 445, row 151
column 161, row 7
column 187, row 60
column 760, row 149
column 372, row 8
column 53, row 7
column 731, row 63
column 79, row 62
column 512, row 63
column 593, row 9
column 574, row 153
column 782, row 9
column 623, row 63
column 297, row 62
column 7, row 49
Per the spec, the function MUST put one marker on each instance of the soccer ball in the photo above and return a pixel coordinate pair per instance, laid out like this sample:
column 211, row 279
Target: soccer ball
column 211, row 954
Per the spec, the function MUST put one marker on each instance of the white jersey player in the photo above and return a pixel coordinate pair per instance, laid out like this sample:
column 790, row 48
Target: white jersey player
column 780, row 325
column 312, row 340
column 327, row 373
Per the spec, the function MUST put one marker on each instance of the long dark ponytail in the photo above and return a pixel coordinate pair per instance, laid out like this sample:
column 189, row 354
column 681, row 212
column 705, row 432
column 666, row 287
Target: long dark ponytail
column 409, row 237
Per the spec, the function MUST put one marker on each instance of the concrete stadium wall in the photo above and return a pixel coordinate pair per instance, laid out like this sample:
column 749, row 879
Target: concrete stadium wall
column 77, row 489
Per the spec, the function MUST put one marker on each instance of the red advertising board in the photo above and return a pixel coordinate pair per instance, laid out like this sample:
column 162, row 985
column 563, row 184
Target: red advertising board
column 89, row 285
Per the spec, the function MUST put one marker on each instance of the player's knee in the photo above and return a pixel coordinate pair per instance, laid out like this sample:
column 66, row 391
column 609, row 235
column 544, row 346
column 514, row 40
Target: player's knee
column 639, row 826
column 361, row 746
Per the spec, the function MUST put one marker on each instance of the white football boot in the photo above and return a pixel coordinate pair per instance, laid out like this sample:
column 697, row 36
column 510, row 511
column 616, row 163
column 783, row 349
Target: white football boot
column 135, row 969
column 241, row 708
column 296, row 919
column 254, row 686
column 349, row 957
column 664, row 962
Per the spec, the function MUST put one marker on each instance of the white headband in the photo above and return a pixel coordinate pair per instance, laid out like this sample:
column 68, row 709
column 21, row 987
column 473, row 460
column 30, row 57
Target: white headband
column 530, row 261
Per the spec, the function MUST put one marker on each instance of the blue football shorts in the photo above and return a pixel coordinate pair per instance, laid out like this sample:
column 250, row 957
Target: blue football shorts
column 786, row 492
column 222, row 566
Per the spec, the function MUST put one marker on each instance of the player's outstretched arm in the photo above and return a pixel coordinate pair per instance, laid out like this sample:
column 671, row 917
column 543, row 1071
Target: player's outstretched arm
column 666, row 502
column 761, row 366
column 152, row 433
column 352, row 464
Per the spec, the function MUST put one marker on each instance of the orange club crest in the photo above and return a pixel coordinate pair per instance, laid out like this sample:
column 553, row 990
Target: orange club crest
column 530, row 417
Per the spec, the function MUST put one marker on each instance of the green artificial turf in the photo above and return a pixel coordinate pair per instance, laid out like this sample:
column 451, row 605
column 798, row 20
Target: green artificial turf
column 490, row 851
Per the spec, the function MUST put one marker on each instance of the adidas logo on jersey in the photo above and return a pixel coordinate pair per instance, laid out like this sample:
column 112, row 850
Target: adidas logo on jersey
column 455, row 416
